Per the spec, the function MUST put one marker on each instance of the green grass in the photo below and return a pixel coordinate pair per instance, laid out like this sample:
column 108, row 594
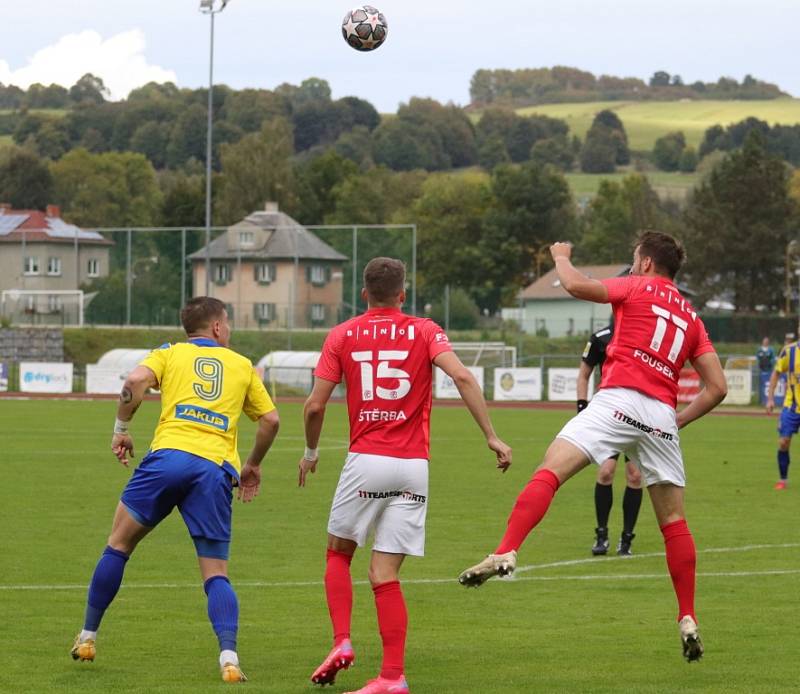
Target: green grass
column 673, row 185
column 6, row 140
column 596, row 626
column 646, row 121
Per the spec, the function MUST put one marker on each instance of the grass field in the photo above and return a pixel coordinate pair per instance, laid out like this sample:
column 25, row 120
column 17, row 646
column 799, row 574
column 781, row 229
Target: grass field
column 646, row 121
column 667, row 185
column 568, row 623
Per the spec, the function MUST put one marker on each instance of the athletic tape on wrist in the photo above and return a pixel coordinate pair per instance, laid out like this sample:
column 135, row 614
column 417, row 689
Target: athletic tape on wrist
column 311, row 454
column 120, row 427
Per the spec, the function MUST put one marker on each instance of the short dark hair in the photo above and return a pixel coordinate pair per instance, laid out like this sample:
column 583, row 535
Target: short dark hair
column 384, row 279
column 665, row 251
column 200, row 312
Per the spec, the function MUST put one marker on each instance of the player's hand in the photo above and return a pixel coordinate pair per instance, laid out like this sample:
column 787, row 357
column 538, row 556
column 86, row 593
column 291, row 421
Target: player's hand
column 249, row 483
column 304, row 467
column 561, row 249
column 122, row 447
column 502, row 451
column 770, row 405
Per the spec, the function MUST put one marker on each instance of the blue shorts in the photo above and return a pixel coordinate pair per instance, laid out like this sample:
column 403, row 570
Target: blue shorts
column 789, row 423
column 201, row 489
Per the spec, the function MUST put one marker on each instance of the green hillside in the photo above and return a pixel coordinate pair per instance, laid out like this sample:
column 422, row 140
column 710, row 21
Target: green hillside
column 646, row 121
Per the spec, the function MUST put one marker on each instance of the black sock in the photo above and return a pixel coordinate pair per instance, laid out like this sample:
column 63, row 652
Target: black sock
column 603, row 501
column 631, row 503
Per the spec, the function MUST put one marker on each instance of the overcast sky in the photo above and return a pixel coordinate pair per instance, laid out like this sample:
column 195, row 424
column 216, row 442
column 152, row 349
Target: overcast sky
column 433, row 48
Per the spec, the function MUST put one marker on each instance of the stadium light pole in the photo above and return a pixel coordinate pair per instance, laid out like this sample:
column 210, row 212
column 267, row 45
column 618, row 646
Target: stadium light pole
column 211, row 8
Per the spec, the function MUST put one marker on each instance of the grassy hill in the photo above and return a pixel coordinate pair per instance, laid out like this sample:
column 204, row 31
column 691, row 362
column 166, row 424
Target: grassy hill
column 646, row 121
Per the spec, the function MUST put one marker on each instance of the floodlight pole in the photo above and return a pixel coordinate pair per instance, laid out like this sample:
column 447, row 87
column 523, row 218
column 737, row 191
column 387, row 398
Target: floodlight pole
column 208, row 7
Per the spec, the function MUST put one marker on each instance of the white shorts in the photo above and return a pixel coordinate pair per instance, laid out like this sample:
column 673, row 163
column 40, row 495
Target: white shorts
column 621, row 420
column 384, row 493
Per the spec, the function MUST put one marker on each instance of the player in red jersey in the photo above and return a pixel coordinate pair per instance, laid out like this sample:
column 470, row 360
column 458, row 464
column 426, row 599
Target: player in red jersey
column 657, row 330
column 384, row 357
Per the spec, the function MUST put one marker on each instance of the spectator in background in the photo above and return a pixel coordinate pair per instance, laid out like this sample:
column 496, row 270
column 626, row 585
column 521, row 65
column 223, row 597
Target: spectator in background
column 765, row 356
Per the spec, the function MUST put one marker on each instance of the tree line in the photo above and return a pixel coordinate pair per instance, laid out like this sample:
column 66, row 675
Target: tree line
column 560, row 84
column 482, row 231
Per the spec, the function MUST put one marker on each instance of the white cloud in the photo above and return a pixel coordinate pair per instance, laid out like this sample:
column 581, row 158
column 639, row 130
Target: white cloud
column 119, row 61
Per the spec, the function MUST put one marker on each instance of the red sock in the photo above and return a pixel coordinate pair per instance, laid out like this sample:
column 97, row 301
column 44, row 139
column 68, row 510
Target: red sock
column 531, row 505
column 393, row 624
column 681, row 561
column 339, row 592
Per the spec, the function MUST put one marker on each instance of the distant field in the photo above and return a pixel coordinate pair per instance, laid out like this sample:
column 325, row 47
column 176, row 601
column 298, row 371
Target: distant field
column 667, row 185
column 568, row 623
column 6, row 140
column 645, row 122
column 57, row 112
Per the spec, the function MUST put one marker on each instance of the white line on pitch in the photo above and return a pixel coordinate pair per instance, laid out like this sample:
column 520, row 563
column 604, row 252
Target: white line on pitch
column 650, row 555
column 424, row 581
column 429, row 581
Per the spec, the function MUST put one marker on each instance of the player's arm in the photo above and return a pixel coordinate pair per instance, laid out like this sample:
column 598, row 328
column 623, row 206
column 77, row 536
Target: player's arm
column 715, row 388
column 773, row 382
column 250, row 478
column 781, row 366
column 313, row 417
column 131, row 396
column 472, row 396
column 575, row 282
column 582, row 385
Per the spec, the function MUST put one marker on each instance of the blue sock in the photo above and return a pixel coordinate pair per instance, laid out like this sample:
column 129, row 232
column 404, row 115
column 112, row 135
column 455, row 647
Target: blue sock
column 783, row 464
column 105, row 583
column 223, row 611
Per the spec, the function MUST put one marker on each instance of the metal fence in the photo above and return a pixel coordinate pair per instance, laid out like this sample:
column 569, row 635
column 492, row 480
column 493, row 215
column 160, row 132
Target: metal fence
column 310, row 276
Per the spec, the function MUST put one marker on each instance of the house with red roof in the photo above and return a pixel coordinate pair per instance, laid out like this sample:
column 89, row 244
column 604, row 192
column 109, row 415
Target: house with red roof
column 41, row 253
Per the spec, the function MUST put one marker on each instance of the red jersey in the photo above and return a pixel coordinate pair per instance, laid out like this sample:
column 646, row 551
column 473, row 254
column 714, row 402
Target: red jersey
column 656, row 331
column 385, row 359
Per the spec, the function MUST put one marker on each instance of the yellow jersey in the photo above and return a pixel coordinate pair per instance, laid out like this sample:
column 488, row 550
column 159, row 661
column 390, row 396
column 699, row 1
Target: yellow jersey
column 204, row 389
column 789, row 363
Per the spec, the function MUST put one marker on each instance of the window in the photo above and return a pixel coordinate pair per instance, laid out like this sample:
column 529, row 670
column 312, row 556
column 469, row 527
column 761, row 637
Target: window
column 53, row 303
column 317, row 274
column 264, row 312
column 30, row 303
column 247, row 239
column 222, row 274
column 54, row 266
column 317, row 312
column 265, row 273
column 32, row 265
column 93, row 268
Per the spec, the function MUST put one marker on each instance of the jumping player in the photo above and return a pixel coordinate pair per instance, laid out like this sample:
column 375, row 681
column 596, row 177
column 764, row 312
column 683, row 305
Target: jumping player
column 193, row 463
column 789, row 364
column 657, row 330
column 384, row 357
column 593, row 356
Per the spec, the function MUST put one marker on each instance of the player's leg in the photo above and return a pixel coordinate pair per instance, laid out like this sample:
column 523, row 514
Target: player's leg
column 126, row 532
column 784, row 444
column 353, row 511
column 206, row 508
column 631, row 504
column 339, row 596
column 681, row 555
column 603, row 501
column 562, row 460
column 399, row 532
column 222, row 604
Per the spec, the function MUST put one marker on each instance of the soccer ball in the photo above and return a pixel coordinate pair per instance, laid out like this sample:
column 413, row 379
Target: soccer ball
column 364, row 28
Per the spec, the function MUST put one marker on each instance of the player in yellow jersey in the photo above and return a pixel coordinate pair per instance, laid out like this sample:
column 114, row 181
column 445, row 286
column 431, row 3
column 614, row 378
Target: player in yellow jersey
column 193, row 464
column 788, row 363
